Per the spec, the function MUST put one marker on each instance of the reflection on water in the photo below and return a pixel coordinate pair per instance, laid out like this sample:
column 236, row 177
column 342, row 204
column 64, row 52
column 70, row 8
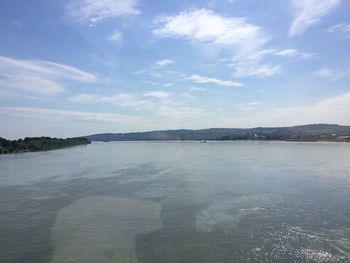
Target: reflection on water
column 177, row 202
column 229, row 212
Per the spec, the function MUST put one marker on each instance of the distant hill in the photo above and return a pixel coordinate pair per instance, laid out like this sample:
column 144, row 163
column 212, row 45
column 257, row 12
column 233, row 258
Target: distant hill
column 34, row 144
column 312, row 132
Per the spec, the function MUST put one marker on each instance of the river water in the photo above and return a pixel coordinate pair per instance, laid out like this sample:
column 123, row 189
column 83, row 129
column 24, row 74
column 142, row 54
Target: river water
column 177, row 202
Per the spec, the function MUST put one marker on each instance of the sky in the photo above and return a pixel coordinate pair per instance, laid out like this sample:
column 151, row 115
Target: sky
column 79, row 67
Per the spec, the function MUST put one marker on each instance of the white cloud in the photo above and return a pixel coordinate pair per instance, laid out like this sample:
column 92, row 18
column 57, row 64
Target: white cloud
column 342, row 28
column 205, row 80
column 208, row 27
column 329, row 110
column 291, row 53
column 168, row 84
column 164, row 62
column 157, row 94
column 56, row 114
column 309, row 13
column 121, row 99
column 39, row 76
column 240, row 38
column 116, row 37
column 93, row 11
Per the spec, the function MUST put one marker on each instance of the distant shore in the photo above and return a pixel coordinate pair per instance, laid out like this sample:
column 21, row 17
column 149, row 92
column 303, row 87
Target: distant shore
column 306, row 133
column 215, row 140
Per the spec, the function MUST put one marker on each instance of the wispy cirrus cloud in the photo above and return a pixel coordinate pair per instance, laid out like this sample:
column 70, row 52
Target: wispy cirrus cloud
column 163, row 105
column 249, row 68
column 209, row 80
column 196, row 89
column 37, row 66
column 294, row 53
column 181, row 112
column 340, row 28
column 116, row 38
column 157, row 94
column 331, row 74
column 249, row 106
column 163, row 62
column 323, row 72
column 308, row 13
column 253, row 64
column 62, row 114
column 187, row 95
column 39, row 77
column 31, row 85
column 120, row 99
column 92, row 11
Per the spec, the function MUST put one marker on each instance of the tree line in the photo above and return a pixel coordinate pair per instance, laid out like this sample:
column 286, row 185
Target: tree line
column 34, row 144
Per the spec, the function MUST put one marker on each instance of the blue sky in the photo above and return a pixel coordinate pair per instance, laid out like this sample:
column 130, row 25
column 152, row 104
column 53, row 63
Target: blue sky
column 78, row 67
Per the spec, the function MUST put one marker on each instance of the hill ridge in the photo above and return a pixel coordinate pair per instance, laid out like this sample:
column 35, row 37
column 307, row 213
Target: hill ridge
column 309, row 132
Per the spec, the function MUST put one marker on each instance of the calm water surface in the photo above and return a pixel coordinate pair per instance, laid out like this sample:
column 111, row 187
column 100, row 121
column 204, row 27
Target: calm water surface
column 177, row 202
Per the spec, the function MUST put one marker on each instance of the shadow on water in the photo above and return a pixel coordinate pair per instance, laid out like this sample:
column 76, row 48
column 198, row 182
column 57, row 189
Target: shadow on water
column 27, row 213
column 195, row 226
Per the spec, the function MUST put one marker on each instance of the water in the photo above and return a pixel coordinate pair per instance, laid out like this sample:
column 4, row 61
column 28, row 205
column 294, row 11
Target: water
column 177, row 202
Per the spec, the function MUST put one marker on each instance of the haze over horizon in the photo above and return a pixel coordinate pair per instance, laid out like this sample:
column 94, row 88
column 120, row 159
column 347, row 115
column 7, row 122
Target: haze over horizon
column 78, row 67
